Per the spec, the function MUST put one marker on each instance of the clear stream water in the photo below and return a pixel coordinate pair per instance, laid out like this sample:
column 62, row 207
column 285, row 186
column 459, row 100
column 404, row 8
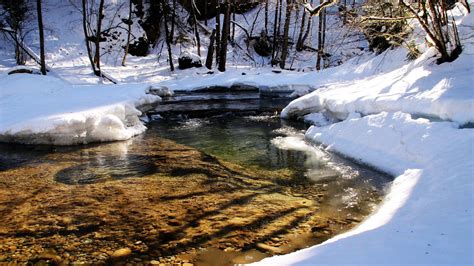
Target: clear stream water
column 198, row 190
column 267, row 142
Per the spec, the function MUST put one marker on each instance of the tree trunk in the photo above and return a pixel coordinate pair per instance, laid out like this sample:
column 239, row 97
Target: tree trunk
column 196, row 31
column 218, row 32
column 233, row 19
column 275, row 34
column 321, row 38
column 98, row 35
column 173, row 21
column 86, row 36
column 266, row 17
column 308, row 29
column 284, row 50
column 299, row 43
column 224, row 37
column 205, row 12
column 129, row 29
column 280, row 7
column 210, row 50
column 41, row 37
column 166, row 12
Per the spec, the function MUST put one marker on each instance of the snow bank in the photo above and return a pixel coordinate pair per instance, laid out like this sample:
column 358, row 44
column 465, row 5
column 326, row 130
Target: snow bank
column 390, row 84
column 44, row 110
column 419, row 88
column 427, row 216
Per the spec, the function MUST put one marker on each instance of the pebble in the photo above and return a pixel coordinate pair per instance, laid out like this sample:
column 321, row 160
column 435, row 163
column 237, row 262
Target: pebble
column 268, row 248
column 154, row 262
column 121, row 253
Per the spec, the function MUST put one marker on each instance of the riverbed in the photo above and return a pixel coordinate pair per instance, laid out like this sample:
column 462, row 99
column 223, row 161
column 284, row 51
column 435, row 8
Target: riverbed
column 219, row 190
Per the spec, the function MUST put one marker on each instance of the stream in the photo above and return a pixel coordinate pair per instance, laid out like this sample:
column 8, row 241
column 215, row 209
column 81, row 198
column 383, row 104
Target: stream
column 219, row 190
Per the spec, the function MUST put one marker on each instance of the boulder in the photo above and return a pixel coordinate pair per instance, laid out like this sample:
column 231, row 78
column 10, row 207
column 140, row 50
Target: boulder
column 262, row 46
column 188, row 60
column 139, row 47
column 161, row 91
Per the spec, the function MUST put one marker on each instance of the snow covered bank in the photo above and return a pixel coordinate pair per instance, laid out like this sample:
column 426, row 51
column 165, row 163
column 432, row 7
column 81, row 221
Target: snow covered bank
column 419, row 87
column 427, row 215
column 390, row 84
column 44, row 110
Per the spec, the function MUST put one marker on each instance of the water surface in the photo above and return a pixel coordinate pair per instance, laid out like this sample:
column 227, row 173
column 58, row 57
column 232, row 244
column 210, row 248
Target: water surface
column 218, row 190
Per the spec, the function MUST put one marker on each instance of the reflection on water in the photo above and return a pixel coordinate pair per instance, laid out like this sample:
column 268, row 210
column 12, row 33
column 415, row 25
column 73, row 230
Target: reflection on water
column 219, row 190
column 267, row 142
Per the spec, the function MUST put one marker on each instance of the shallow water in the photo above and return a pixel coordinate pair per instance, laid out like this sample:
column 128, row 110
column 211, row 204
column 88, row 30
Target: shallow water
column 218, row 190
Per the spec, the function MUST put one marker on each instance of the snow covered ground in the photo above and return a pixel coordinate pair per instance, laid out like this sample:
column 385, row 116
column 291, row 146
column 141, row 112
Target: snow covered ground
column 45, row 110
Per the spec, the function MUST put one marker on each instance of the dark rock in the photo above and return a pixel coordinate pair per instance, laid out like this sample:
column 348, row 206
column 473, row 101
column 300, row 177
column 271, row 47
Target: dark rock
column 244, row 87
column 188, row 60
column 262, row 46
column 139, row 47
column 24, row 70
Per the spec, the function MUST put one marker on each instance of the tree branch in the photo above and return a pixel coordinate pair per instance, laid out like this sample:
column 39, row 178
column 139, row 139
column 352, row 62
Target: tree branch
column 314, row 11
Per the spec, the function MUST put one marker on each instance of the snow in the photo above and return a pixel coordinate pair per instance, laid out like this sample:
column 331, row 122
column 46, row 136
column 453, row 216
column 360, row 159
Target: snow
column 413, row 88
column 38, row 109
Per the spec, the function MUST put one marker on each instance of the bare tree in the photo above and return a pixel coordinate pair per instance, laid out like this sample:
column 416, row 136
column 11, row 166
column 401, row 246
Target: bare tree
column 94, row 33
column 210, row 50
column 234, row 6
column 85, row 27
column 173, row 21
column 299, row 42
column 284, row 50
column 433, row 18
column 225, row 36
column 218, row 31
column 275, row 34
column 307, row 31
column 314, row 11
column 98, row 36
column 168, row 37
column 15, row 19
column 195, row 26
column 129, row 23
column 41, row 36
column 321, row 38
column 266, row 17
